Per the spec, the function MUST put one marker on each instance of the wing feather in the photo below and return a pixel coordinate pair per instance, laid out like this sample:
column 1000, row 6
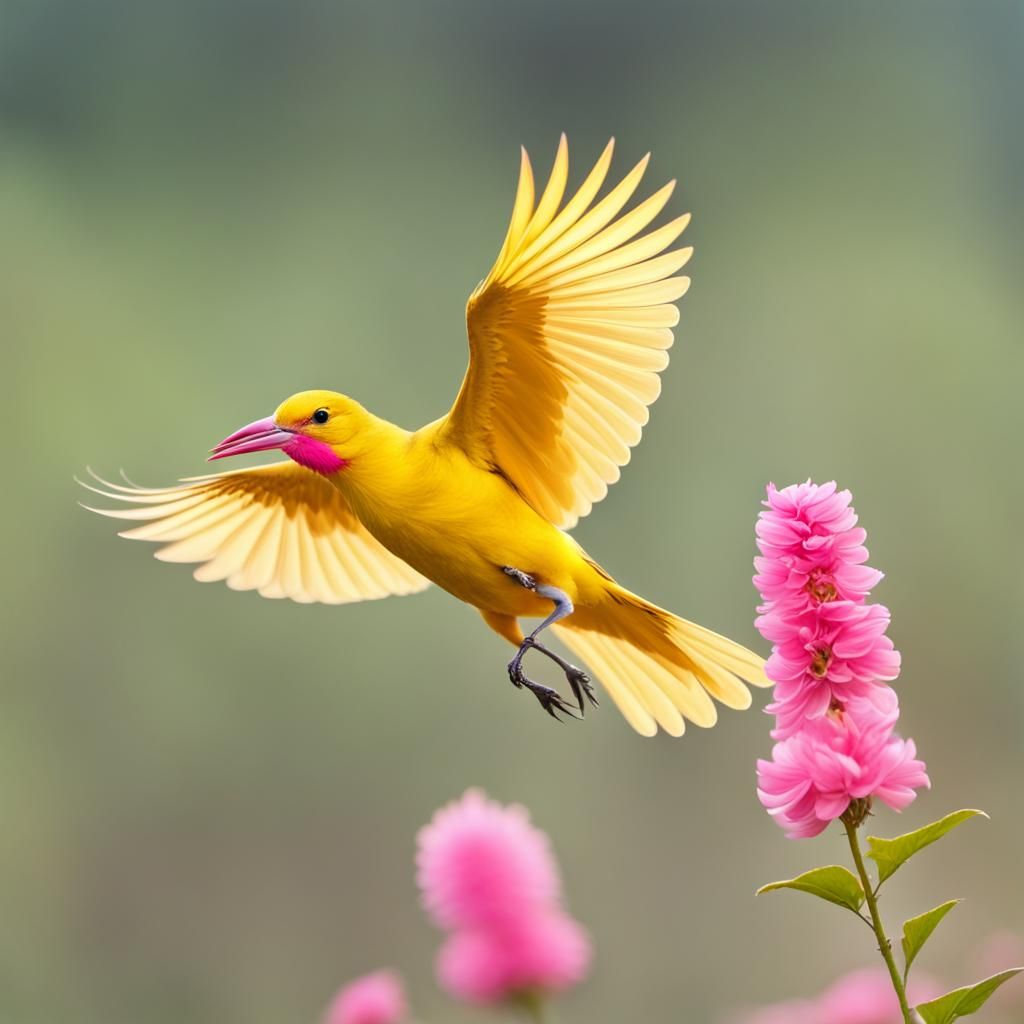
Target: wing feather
column 585, row 227
column 233, row 553
column 259, row 567
column 572, row 210
column 280, row 529
column 567, row 336
column 607, row 241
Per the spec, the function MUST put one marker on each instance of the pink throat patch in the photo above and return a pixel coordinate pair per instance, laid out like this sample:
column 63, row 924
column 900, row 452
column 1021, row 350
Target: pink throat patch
column 313, row 454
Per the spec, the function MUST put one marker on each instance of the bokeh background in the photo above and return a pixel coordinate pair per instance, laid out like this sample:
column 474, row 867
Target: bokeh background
column 209, row 800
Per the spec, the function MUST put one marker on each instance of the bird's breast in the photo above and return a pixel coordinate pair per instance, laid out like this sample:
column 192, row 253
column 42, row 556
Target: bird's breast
column 459, row 529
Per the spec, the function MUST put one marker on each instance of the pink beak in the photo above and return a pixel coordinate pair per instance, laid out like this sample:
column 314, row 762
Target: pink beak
column 260, row 436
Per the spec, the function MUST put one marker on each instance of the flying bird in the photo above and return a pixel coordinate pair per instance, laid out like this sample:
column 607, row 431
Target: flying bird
column 567, row 335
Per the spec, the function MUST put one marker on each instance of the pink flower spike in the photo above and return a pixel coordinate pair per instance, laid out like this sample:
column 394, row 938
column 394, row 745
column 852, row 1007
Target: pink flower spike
column 480, row 864
column 373, row 999
column 544, row 953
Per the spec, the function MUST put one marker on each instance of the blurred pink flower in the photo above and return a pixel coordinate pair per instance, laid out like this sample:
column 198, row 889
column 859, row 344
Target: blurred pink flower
column 792, row 1012
column 480, row 864
column 489, row 876
column 542, row 953
column 846, row 755
column 373, row 999
column 999, row 951
column 861, row 997
column 867, row 997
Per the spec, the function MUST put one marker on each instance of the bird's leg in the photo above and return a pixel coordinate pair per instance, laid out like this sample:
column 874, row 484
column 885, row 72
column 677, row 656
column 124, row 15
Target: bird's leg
column 549, row 699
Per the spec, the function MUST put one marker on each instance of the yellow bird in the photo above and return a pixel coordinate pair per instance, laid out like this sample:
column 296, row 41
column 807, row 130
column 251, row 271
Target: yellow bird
column 567, row 335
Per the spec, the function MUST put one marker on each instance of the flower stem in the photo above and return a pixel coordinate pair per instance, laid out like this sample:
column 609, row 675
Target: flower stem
column 884, row 945
column 532, row 1005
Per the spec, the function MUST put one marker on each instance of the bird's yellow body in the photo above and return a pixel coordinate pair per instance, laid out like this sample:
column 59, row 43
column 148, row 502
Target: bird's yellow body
column 458, row 524
column 567, row 336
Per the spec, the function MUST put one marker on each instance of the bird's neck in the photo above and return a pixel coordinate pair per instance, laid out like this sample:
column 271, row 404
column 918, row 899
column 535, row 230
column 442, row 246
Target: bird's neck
column 378, row 465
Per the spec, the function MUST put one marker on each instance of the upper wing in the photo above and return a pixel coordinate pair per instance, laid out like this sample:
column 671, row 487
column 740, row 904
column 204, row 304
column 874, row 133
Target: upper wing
column 279, row 529
column 567, row 335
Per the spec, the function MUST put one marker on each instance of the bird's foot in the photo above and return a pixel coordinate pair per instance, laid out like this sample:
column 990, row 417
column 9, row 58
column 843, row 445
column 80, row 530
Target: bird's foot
column 582, row 687
column 524, row 579
column 548, row 698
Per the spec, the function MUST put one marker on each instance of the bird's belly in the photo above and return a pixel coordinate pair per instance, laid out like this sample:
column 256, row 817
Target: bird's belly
column 464, row 555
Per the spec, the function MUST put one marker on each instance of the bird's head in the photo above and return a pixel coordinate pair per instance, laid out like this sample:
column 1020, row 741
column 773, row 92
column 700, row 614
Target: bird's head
column 317, row 429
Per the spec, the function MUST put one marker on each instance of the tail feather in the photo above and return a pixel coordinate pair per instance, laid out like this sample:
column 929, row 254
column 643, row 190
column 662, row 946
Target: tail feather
column 600, row 655
column 660, row 670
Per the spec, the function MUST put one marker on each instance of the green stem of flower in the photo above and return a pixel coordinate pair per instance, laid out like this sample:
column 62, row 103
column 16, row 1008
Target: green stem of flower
column 884, row 945
column 533, row 1006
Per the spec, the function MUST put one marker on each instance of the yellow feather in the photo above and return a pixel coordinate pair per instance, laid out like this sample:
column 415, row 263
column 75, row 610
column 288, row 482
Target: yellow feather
column 607, row 241
column 570, row 212
column 552, row 197
column 609, row 273
column 521, row 209
column 587, row 225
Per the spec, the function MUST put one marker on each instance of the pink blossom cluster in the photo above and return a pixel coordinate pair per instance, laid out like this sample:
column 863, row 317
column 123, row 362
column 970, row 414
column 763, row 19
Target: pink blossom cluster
column 831, row 662
column 489, row 878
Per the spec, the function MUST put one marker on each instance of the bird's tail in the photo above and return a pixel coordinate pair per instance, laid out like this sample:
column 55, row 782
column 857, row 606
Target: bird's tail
column 660, row 669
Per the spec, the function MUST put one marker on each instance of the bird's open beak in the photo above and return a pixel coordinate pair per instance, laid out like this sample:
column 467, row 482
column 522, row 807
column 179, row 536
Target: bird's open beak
column 261, row 436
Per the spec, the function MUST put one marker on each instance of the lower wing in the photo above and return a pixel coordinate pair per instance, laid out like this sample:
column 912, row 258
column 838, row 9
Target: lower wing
column 281, row 530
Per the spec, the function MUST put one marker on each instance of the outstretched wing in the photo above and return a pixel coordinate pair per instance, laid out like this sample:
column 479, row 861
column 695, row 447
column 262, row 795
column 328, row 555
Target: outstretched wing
column 567, row 335
column 279, row 529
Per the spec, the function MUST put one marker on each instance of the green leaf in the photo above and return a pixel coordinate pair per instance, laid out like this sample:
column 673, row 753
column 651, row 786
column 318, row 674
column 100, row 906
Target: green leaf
column 963, row 1001
column 918, row 930
column 889, row 854
column 834, row 883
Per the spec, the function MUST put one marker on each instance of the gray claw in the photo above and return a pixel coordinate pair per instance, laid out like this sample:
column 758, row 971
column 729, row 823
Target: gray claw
column 582, row 688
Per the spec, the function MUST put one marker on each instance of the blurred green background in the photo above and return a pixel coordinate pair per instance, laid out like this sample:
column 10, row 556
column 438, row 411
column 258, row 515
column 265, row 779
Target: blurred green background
column 209, row 800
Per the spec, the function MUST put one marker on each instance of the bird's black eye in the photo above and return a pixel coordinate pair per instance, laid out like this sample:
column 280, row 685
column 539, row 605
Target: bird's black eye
column 321, row 416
